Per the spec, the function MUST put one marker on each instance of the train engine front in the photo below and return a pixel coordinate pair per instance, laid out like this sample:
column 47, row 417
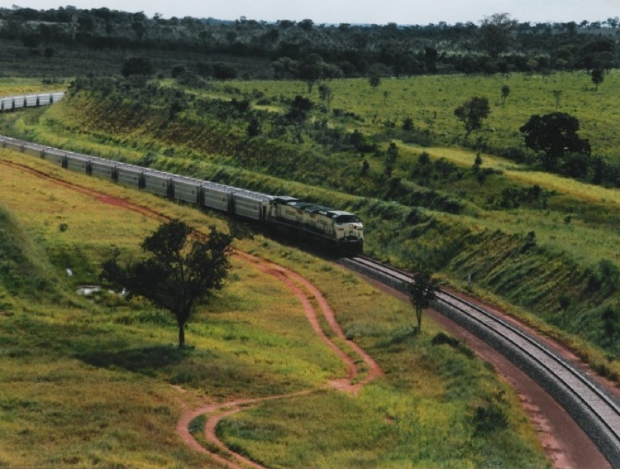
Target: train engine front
column 341, row 230
column 349, row 232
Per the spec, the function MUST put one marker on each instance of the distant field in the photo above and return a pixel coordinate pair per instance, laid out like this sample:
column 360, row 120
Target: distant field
column 430, row 101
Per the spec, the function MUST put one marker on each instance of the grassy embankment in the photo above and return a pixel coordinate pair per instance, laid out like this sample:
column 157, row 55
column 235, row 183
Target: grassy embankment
column 90, row 383
column 542, row 245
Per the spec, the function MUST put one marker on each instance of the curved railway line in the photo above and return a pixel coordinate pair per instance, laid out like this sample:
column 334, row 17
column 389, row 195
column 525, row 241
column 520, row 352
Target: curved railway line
column 593, row 408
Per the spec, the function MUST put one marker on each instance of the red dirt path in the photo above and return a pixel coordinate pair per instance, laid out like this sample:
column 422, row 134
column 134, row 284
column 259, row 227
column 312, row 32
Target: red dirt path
column 565, row 443
column 305, row 293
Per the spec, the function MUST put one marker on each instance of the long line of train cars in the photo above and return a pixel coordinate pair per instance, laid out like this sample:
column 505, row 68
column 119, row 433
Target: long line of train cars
column 10, row 103
column 341, row 230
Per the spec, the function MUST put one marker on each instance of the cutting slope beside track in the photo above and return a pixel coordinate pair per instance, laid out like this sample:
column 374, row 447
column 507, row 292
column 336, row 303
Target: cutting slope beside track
column 307, row 296
column 596, row 410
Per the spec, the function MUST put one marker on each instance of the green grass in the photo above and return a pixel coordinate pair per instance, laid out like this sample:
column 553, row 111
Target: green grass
column 430, row 101
column 396, row 230
column 100, row 383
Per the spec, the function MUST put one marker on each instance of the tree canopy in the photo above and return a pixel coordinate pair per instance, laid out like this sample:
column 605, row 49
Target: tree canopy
column 422, row 290
column 137, row 66
column 472, row 113
column 178, row 273
column 498, row 44
column 555, row 135
column 496, row 33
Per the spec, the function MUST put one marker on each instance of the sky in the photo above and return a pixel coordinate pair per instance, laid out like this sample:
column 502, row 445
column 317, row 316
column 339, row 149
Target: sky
column 403, row 12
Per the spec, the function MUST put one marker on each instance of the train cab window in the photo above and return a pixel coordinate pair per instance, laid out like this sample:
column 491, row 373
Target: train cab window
column 342, row 219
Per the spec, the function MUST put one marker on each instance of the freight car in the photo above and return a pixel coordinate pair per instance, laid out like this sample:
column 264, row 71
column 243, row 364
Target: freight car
column 301, row 220
column 10, row 103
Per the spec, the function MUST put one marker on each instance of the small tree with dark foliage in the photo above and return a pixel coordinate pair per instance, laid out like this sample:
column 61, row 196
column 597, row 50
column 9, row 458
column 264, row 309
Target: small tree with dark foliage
column 597, row 76
column 472, row 113
column 555, row 135
column 422, row 290
column 178, row 274
column 137, row 66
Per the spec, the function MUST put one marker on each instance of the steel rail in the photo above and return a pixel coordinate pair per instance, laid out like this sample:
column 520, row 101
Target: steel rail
column 593, row 408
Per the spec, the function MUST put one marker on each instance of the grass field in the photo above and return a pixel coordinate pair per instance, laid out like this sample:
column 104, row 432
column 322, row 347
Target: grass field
column 551, row 258
column 100, row 383
column 430, row 101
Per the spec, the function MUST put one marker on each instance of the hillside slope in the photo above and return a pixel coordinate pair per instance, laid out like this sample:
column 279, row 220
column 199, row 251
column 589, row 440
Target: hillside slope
column 543, row 244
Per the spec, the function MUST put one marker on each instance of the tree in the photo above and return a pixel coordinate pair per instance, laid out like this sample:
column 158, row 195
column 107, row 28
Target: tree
column 306, row 25
column 472, row 113
column 284, row 67
column 422, row 291
column 222, row 71
column 326, row 95
column 178, row 274
column 557, row 94
column 430, row 59
column 298, row 113
column 137, row 66
column 365, row 168
column 408, row 124
column 496, row 33
column 178, row 70
column 555, row 135
column 374, row 78
column 610, row 322
column 391, row 156
column 505, row 93
column 254, row 128
column 597, row 77
column 599, row 53
column 311, row 70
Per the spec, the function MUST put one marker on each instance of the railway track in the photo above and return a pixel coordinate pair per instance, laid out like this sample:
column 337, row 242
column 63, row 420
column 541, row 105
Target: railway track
column 593, row 408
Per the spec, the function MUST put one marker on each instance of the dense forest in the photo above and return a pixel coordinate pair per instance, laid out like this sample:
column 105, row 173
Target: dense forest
column 309, row 51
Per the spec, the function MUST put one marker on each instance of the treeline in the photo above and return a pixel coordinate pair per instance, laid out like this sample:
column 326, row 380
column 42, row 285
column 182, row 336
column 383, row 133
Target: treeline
column 498, row 44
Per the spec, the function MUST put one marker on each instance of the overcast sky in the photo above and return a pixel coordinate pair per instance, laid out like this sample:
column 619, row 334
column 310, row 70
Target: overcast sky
column 355, row 11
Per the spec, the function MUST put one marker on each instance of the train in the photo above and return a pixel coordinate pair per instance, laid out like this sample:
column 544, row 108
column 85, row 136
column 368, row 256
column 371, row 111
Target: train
column 300, row 220
column 11, row 103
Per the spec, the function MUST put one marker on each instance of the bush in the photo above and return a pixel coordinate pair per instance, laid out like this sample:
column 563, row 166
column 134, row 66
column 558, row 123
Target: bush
column 222, row 71
column 565, row 301
column 137, row 66
column 489, row 419
column 178, row 70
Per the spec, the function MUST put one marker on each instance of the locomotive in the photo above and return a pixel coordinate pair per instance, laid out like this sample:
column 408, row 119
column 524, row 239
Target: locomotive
column 341, row 230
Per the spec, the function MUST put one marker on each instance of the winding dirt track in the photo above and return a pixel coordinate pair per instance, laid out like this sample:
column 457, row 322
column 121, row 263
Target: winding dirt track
column 305, row 292
column 564, row 442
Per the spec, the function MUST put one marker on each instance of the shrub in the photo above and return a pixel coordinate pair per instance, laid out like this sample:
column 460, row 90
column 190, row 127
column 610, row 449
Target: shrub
column 137, row 66
column 222, row 71
column 489, row 419
column 565, row 301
